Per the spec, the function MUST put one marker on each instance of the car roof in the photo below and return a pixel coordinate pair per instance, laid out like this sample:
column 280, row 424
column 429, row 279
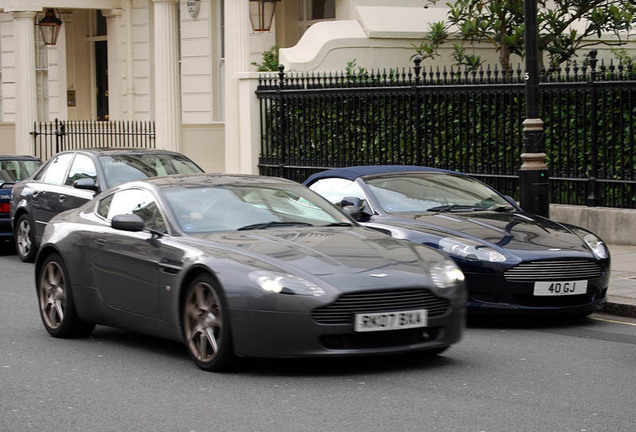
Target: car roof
column 103, row 151
column 203, row 179
column 20, row 157
column 352, row 173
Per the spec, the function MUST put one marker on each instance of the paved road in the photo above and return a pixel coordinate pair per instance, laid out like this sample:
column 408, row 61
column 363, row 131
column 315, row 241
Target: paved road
column 504, row 376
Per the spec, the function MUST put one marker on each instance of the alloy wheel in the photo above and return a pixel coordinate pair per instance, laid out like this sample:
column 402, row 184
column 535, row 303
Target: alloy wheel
column 23, row 237
column 52, row 295
column 203, row 320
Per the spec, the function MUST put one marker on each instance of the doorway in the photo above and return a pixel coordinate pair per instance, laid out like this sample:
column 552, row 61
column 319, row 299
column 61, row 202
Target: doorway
column 101, row 79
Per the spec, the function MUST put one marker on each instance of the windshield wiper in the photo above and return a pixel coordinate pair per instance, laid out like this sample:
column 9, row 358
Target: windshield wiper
column 501, row 208
column 452, row 207
column 337, row 224
column 272, row 224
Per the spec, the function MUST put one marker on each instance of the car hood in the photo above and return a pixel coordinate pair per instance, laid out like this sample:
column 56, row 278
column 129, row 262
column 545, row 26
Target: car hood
column 513, row 231
column 332, row 254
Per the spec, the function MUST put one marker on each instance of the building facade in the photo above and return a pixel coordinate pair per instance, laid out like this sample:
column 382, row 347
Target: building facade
column 185, row 64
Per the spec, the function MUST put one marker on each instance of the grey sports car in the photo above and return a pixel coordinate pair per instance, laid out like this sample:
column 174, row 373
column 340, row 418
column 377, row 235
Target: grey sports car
column 243, row 266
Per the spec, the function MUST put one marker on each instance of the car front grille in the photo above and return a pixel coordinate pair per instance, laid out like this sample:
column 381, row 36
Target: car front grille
column 562, row 270
column 347, row 305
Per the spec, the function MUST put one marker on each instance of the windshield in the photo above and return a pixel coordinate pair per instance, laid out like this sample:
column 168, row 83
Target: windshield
column 239, row 207
column 13, row 171
column 121, row 168
column 433, row 192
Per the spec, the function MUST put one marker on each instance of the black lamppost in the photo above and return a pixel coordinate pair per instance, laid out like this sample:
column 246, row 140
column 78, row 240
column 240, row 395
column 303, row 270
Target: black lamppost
column 533, row 175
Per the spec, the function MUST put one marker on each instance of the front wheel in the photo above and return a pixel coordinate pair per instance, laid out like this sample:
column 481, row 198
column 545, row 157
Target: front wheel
column 24, row 239
column 206, row 325
column 57, row 308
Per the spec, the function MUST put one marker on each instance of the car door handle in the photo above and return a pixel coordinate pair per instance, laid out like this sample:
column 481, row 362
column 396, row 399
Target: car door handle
column 101, row 242
column 62, row 198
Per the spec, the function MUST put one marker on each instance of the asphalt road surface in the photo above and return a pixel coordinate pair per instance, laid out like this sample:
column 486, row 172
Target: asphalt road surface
column 505, row 375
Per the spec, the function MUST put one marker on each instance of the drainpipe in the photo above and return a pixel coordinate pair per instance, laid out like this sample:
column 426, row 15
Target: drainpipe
column 130, row 81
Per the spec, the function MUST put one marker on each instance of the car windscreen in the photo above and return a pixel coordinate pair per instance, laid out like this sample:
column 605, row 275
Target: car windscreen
column 432, row 192
column 13, row 171
column 240, row 207
column 121, row 168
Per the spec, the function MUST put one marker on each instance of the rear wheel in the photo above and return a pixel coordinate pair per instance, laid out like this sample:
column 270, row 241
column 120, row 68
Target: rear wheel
column 57, row 308
column 206, row 325
column 24, row 239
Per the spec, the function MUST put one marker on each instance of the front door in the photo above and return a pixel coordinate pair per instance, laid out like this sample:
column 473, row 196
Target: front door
column 101, row 79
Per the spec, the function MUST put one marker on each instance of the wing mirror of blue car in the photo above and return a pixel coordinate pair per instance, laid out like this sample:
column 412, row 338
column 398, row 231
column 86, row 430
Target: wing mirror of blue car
column 511, row 200
column 87, row 183
column 354, row 207
column 127, row 222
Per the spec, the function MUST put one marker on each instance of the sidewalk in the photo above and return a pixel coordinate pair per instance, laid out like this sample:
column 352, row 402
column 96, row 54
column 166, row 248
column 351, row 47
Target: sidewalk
column 621, row 295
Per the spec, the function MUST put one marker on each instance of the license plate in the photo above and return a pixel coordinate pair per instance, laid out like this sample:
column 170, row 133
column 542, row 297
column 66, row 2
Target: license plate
column 391, row 320
column 560, row 288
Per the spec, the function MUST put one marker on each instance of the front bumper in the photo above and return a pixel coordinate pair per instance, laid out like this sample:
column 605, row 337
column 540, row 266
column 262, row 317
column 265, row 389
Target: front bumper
column 493, row 294
column 275, row 334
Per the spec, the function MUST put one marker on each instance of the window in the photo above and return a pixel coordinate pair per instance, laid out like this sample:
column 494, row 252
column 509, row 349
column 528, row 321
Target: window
column 55, row 171
column 313, row 11
column 335, row 189
column 82, row 167
column 133, row 201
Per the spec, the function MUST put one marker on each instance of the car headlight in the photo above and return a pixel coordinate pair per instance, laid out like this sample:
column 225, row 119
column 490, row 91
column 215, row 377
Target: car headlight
column 446, row 274
column 468, row 249
column 285, row 284
column 597, row 246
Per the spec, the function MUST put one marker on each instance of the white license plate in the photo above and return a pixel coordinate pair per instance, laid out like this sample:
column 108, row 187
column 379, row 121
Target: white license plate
column 560, row 288
column 391, row 320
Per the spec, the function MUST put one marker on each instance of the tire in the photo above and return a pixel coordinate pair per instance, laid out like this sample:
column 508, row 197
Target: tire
column 55, row 298
column 206, row 325
column 25, row 239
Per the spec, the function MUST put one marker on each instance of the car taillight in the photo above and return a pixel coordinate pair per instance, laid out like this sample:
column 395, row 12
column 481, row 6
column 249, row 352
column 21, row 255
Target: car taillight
column 4, row 207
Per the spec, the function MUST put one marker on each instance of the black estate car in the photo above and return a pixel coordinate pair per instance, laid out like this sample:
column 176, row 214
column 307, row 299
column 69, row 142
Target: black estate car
column 71, row 178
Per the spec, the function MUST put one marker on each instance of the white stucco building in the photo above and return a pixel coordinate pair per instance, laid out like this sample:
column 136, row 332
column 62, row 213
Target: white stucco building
column 186, row 64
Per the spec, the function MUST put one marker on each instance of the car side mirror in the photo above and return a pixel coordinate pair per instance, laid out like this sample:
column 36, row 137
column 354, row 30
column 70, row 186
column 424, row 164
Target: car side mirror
column 128, row 222
column 87, row 183
column 511, row 200
column 353, row 207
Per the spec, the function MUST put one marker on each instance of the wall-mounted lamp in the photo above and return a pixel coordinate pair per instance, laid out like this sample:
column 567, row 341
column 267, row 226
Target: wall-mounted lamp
column 262, row 14
column 50, row 27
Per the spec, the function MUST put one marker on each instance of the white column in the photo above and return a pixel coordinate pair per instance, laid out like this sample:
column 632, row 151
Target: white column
column 237, row 55
column 167, row 90
column 114, row 30
column 25, row 84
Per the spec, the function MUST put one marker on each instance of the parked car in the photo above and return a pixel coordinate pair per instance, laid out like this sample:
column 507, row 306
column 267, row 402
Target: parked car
column 71, row 178
column 243, row 266
column 513, row 261
column 12, row 170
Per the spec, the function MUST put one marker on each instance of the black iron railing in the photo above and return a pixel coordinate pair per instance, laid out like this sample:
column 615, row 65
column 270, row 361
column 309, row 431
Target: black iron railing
column 52, row 137
column 469, row 121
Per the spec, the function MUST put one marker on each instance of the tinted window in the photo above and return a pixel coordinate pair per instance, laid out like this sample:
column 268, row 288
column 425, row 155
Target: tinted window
column 231, row 207
column 127, row 167
column 13, row 171
column 55, row 171
column 421, row 192
column 82, row 167
column 133, row 201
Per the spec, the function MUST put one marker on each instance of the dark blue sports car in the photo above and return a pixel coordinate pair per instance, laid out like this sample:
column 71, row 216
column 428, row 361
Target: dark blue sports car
column 512, row 260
